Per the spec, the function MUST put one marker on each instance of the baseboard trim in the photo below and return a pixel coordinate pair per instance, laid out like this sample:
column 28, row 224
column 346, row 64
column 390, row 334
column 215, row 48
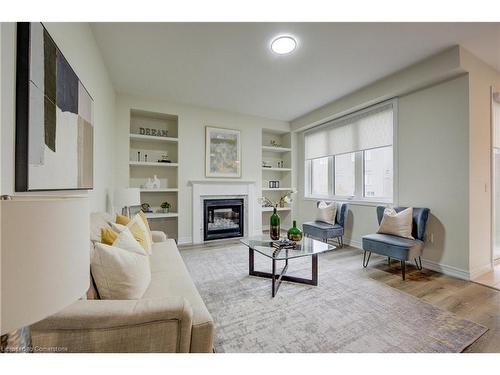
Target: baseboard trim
column 185, row 240
column 353, row 243
column 433, row 266
column 480, row 271
column 446, row 270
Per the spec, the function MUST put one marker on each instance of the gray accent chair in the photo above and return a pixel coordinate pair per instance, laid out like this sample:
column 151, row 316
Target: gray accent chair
column 324, row 231
column 403, row 249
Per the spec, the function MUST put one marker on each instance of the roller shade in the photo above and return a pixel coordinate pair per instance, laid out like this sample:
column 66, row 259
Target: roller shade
column 368, row 129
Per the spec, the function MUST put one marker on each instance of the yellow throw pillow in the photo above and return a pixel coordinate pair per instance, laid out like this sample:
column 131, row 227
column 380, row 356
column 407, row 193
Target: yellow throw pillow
column 108, row 236
column 122, row 219
column 139, row 235
column 145, row 219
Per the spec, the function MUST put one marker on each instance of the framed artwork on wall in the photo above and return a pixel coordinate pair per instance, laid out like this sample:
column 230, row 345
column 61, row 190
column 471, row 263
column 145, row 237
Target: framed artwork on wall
column 54, row 117
column 222, row 153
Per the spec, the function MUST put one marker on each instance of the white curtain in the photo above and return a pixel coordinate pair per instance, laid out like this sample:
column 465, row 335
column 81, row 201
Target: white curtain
column 360, row 131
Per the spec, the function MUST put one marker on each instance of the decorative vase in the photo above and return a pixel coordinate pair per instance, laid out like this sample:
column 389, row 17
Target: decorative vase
column 148, row 184
column 156, row 182
column 275, row 225
column 294, row 233
column 165, row 210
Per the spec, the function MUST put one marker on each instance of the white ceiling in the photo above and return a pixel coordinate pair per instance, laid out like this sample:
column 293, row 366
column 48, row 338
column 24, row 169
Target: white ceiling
column 230, row 66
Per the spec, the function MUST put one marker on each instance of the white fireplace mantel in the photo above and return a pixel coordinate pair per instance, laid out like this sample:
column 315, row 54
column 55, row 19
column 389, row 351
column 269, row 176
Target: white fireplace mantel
column 203, row 189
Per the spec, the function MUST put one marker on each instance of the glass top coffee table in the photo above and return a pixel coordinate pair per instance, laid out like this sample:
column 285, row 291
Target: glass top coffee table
column 263, row 245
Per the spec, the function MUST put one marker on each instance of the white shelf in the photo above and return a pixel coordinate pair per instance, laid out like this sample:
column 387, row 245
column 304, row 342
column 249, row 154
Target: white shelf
column 277, row 169
column 271, row 209
column 152, row 164
column 277, row 189
column 276, row 149
column 152, row 138
column 167, row 190
column 158, row 215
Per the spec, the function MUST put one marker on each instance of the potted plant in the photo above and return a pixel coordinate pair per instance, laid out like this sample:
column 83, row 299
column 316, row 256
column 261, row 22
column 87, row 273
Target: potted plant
column 165, row 206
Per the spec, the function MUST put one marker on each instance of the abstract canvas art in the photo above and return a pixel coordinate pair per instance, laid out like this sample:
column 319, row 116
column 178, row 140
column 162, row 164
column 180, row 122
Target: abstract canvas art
column 54, row 117
column 222, row 153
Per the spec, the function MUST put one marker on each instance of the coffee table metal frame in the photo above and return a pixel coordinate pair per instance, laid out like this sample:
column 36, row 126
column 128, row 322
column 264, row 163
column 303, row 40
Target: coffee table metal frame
column 278, row 278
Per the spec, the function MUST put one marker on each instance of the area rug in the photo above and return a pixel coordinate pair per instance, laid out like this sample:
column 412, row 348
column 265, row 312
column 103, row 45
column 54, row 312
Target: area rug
column 346, row 312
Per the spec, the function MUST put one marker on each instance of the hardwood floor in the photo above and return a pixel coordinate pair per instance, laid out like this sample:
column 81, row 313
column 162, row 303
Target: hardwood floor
column 466, row 299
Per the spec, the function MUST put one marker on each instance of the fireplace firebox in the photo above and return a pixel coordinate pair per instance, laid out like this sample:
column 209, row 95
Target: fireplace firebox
column 223, row 218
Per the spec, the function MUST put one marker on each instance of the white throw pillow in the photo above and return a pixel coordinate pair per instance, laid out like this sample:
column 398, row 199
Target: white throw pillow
column 398, row 224
column 121, row 272
column 326, row 212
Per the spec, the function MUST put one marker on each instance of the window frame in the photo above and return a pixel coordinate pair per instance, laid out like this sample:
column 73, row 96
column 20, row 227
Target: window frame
column 359, row 197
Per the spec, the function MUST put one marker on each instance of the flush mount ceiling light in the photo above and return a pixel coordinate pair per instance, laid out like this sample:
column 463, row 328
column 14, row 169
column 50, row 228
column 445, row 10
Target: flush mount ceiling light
column 283, row 45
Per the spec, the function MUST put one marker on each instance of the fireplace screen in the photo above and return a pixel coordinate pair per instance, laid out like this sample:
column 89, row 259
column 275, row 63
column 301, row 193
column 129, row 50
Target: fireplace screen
column 223, row 218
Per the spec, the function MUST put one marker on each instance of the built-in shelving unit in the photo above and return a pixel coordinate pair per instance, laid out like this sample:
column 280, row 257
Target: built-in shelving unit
column 277, row 189
column 145, row 155
column 276, row 149
column 167, row 190
column 152, row 138
column 152, row 164
column 277, row 160
column 276, row 169
column 160, row 215
column 271, row 209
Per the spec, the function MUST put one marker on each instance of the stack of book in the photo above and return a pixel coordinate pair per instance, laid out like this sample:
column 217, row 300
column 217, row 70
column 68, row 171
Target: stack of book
column 284, row 244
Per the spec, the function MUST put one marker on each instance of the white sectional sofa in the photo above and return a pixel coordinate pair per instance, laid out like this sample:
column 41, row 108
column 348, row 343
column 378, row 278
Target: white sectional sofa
column 170, row 317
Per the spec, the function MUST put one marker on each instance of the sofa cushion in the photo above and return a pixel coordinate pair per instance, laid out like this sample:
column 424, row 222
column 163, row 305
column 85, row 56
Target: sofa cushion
column 393, row 246
column 170, row 277
column 322, row 230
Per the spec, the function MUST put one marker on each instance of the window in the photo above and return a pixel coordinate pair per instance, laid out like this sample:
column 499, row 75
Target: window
column 320, row 175
column 378, row 181
column 345, row 174
column 352, row 157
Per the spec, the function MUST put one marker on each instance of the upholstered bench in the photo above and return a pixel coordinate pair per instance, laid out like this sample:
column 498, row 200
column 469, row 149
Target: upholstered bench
column 400, row 248
column 324, row 231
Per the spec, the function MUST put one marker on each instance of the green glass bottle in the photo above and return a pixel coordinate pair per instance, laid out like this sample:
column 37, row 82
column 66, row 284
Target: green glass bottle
column 294, row 233
column 275, row 225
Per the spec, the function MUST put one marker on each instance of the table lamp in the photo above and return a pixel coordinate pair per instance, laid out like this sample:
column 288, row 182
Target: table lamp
column 126, row 197
column 45, row 262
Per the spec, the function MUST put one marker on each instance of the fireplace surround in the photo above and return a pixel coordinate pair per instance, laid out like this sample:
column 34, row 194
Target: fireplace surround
column 224, row 189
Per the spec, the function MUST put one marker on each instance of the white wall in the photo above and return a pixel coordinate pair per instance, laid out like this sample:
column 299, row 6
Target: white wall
column 433, row 166
column 444, row 140
column 481, row 78
column 433, row 143
column 432, row 136
column 192, row 123
column 77, row 43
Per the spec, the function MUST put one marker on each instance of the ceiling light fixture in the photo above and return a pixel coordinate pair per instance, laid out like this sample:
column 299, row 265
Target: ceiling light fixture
column 283, row 45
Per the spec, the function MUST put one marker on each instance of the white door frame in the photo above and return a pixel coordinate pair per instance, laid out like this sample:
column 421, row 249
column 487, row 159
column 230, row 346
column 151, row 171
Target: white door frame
column 493, row 187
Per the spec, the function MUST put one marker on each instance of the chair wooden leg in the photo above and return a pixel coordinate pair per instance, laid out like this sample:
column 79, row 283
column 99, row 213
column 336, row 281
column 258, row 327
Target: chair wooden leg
column 403, row 269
